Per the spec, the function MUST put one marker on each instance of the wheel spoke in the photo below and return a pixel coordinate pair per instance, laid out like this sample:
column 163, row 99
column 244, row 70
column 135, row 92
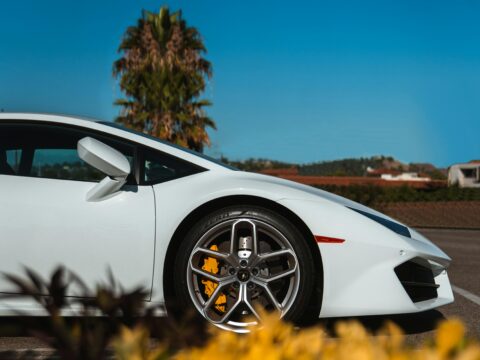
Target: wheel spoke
column 211, row 253
column 281, row 275
column 215, row 294
column 273, row 300
column 255, row 239
column 274, row 254
column 205, row 274
column 234, row 237
column 229, row 313
column 246, row 300
column 211, row 276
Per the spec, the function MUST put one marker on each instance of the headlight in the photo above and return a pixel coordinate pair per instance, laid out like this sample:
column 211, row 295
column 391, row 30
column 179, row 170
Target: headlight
column 392, row 225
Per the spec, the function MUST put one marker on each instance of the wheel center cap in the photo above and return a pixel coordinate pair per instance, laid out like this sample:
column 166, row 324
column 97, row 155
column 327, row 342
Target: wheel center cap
column 243, row 275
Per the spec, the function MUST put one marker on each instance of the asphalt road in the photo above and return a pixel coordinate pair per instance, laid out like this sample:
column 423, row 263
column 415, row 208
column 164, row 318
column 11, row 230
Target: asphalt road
column 463, row 246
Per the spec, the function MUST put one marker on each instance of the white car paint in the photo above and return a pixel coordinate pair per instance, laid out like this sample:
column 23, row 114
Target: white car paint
column 47, row 222
column 136, row 228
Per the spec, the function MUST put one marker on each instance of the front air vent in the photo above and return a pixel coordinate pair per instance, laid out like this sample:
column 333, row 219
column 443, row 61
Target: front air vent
column 417, row 279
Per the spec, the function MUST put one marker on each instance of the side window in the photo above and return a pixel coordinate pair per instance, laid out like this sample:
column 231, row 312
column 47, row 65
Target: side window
column 159, row 167
column 50, row 151
column 9, row 159
column 62, row 164
column 13, row 159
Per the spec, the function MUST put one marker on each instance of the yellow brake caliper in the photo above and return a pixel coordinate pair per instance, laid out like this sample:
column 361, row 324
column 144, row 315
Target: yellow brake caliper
column 211, row 265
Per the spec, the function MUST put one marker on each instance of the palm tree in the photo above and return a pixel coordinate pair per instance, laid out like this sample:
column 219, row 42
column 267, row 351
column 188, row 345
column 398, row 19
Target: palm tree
column 163, row 73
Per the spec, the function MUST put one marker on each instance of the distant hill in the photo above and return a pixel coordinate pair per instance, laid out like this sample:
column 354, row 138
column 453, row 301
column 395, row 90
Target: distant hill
column 257, row 165
column 343, row 167
column 350, row 167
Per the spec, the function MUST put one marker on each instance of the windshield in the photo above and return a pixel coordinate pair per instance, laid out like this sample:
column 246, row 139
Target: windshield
column 203, row 156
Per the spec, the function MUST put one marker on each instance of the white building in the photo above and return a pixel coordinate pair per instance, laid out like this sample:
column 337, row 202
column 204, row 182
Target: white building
column 406, row 176
column 465, row 175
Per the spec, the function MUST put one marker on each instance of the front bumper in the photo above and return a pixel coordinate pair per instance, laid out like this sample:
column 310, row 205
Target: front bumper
column 368, row 285
column 359, row 274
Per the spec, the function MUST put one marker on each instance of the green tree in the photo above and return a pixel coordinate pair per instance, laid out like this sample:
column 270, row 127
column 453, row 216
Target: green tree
column 163, row 73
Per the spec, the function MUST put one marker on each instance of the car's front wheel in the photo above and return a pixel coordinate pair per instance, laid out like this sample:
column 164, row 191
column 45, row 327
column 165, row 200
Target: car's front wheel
column 240, row 259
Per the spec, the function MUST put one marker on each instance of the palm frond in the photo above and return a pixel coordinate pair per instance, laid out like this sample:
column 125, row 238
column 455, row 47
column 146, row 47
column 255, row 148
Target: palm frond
column 163, row 72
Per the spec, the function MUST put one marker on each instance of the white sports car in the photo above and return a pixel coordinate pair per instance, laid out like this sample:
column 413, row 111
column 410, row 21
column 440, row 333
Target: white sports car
column 196, row 233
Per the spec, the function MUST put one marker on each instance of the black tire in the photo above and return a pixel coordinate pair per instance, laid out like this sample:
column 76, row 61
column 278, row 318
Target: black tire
column 306, row 286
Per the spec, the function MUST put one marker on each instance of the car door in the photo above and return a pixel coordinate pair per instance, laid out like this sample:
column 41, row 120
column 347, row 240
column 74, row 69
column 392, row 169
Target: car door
column 46, row 220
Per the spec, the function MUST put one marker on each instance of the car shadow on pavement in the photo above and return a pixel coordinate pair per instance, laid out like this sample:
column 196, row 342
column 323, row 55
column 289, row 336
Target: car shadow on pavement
column 20, row 326
column 415, row 323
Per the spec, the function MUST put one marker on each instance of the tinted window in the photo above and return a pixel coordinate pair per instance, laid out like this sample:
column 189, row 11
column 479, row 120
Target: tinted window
column 62, row 164
column 160, row 167
column 203, row 156
column 13, row 159
column 49, row 151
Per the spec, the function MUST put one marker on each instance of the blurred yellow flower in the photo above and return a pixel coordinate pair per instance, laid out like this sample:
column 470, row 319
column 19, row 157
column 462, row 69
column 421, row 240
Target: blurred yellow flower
column 134, row 344
column 279, row 340
column 449, row 336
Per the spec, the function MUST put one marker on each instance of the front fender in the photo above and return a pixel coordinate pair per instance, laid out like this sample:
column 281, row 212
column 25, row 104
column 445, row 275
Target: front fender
column 359, row 277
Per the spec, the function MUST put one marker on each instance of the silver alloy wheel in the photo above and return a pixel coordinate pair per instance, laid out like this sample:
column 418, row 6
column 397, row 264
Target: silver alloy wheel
column 255, row 266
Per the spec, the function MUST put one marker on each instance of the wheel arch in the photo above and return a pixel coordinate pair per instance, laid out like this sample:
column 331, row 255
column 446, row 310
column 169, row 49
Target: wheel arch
column 219, row 203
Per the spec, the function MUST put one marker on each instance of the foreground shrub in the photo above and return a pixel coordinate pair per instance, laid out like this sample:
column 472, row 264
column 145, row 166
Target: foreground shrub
column 81, row 336
column 279, row 340
column 100, row 316
column 114, row 323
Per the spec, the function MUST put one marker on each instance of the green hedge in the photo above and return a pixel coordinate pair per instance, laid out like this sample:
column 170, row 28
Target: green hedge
column 375, row 195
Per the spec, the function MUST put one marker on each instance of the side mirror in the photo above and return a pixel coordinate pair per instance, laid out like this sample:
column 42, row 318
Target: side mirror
column 109, row 161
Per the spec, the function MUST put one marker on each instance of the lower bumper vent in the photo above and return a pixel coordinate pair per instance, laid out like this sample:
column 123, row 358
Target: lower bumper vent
column 417, row 279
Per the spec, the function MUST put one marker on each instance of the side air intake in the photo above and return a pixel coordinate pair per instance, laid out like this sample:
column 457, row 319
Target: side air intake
column 417, row 278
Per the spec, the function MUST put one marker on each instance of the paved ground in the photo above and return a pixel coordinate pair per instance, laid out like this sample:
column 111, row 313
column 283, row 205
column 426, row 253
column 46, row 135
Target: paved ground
column 464, row 248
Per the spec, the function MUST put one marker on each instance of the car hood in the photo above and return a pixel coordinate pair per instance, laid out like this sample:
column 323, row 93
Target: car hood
column 295, row 190
column 286, row 189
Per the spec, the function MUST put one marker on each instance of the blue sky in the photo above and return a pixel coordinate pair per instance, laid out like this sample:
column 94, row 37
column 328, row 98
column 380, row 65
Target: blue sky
column 295, row 81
